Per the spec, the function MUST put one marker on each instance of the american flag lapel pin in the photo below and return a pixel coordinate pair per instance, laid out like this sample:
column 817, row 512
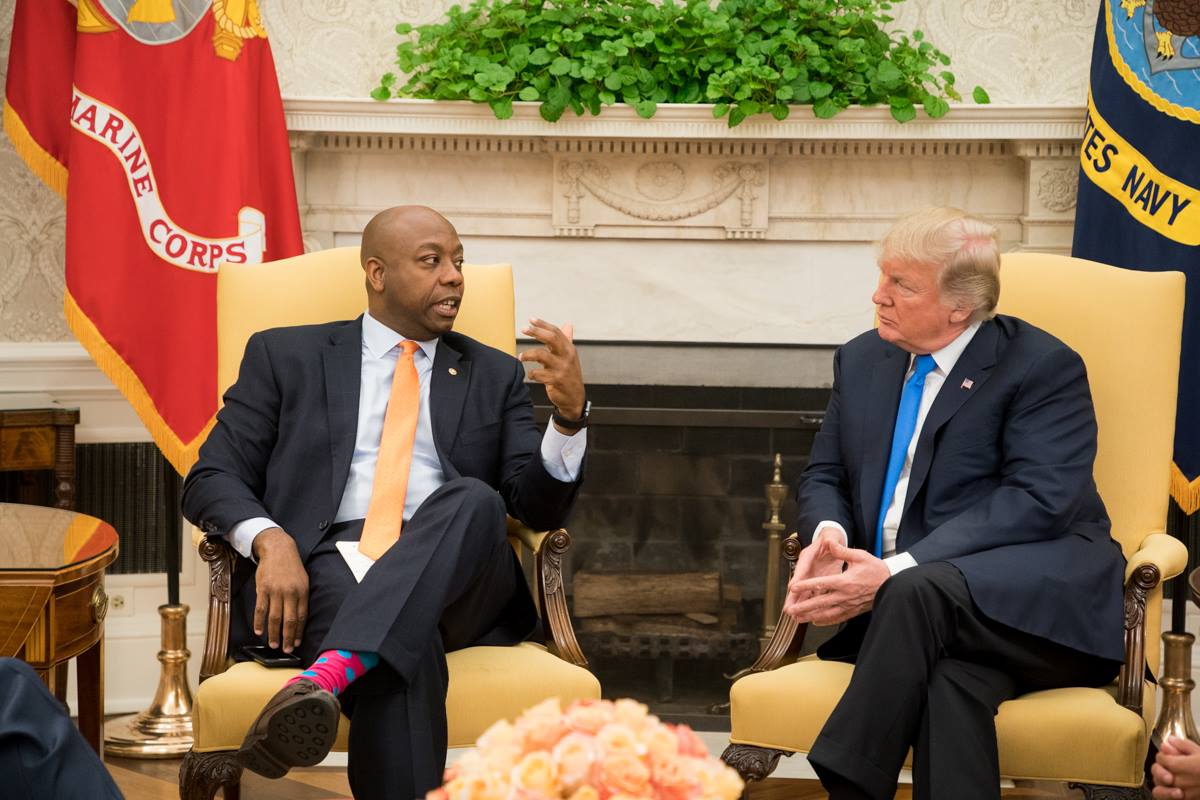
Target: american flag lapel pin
column 967, row 383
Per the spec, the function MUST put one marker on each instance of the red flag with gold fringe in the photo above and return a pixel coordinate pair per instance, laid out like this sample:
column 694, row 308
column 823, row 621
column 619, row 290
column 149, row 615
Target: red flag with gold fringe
column 166, row 116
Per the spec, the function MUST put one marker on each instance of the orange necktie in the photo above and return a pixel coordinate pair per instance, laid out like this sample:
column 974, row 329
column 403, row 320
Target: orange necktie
column 385, row 513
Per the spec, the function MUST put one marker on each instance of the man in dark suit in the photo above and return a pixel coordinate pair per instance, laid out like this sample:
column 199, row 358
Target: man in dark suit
column 42, row 754
column 951, row 522
column 393, row 445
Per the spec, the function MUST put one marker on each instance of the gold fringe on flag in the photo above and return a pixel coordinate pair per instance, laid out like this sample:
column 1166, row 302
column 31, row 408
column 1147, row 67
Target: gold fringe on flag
column 1185, row 492
column 44, row 165
column 181, row 454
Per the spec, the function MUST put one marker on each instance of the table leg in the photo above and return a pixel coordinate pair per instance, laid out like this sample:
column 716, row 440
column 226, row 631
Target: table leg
column 60, row 681
column 64, row 466
column 90, row 673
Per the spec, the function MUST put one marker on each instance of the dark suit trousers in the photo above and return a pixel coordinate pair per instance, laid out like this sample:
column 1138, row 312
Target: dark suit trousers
column 42, row 754
column 930, row 674
column 451, row 581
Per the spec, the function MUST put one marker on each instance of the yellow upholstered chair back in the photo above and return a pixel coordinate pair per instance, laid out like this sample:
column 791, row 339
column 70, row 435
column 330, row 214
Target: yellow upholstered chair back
column 1126, row 326
column 329, row 285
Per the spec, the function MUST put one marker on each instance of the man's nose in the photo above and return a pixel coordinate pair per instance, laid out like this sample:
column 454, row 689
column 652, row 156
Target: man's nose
column 879, row 297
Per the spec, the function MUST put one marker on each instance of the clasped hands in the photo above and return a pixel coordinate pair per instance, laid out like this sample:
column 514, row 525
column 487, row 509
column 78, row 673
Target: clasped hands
column 833, row 583
column 1176, row 770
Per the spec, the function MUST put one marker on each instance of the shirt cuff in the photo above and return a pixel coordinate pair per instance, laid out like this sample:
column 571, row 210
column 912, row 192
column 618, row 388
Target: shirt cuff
column 562, row 454
column 828, row 523
column 241, row 537
column 899, row 562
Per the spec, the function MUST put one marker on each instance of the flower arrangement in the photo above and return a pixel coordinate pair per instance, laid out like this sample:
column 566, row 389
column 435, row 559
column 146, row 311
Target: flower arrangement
column 594, row 750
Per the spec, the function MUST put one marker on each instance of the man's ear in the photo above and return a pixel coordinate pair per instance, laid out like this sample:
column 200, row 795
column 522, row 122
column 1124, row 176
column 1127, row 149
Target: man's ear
column 960, row 315
column 374, row 270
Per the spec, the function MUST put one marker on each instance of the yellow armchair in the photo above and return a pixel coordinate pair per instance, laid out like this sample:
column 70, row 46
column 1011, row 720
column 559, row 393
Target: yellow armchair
column 486, row 683
column 1126, row 326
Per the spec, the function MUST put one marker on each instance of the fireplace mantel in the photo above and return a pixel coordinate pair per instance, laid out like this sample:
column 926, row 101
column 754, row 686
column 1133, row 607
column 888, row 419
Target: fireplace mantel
column 964, row 123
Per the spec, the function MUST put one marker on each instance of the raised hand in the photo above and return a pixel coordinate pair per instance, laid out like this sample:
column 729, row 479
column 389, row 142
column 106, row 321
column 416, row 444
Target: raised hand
column 560, row 372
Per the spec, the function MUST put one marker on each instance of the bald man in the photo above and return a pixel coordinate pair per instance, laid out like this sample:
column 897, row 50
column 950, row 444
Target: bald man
column 288, row 474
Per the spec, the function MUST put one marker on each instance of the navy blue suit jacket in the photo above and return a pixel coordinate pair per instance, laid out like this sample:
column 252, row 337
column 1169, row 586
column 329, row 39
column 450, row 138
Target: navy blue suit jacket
column 283, row 441
column 1001, row 483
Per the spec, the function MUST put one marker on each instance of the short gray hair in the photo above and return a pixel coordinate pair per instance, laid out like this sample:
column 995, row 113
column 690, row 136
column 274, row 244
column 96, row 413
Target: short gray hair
column 964, row 248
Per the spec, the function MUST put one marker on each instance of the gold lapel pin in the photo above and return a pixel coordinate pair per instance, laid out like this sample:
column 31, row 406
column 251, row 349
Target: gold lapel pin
column 452, row 371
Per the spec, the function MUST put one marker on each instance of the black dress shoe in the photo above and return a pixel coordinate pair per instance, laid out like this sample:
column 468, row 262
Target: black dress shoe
column 296, row 729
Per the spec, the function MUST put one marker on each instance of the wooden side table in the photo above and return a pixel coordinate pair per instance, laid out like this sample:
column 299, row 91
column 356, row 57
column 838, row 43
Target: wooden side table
column 38, row 434
column 52, row 599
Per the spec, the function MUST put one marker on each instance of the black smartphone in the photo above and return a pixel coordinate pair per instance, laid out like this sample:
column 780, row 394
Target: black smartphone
column 270, row 657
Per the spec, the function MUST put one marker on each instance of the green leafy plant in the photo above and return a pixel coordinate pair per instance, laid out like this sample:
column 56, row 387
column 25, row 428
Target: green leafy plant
column 745, row 56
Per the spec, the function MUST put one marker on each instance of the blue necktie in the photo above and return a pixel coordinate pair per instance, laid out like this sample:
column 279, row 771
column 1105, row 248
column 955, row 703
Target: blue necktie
column 906, row 423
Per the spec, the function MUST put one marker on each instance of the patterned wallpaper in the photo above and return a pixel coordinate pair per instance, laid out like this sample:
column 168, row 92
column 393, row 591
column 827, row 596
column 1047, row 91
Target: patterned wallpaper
column 1022, row 51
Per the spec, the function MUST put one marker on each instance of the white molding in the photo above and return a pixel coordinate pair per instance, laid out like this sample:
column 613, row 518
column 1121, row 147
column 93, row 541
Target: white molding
column 677, row 121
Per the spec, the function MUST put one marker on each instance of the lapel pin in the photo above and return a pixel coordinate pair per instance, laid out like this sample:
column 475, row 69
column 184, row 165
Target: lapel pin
column 452, row 371
column 967, row 383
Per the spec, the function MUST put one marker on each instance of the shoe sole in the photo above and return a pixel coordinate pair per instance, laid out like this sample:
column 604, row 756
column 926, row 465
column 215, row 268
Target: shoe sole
column 300, row 733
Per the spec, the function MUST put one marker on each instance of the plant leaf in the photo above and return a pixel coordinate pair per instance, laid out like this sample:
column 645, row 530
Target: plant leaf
column 980, row 95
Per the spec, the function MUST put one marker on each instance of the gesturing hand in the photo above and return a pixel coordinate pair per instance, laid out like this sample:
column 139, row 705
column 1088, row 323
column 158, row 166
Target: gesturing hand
column 1176, row 770
column 281, row 585
column 560, row 372
column 831, row 599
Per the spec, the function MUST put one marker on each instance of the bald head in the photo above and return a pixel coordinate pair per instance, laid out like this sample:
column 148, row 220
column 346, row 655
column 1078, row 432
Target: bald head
column 412, row 259
column 399, row 228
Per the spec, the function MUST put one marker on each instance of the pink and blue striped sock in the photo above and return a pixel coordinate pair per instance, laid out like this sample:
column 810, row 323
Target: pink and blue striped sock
column 335, row 669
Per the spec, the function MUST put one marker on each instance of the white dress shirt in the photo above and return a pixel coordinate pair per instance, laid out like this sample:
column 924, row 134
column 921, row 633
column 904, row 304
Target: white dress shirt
column 945, row 359
column 562, row 455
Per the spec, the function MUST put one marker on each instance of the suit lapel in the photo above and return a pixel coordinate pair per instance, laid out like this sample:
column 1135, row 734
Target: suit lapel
column 343, row 377
column 887, row 379
column 447, row 395
column 973, row 369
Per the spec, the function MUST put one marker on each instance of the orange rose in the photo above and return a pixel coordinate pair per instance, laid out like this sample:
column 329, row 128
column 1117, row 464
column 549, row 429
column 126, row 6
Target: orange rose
column 574, row 755
column 660, row 742
column 589, row 716
column 536, row 774
column 632, row 713
column 624, row 773
column 689, row 743
column 716, row 780
column 542, row 726
column 673, row 777
column 475, row 787
column 500, row 734
column 585, row 793
column 615, row 738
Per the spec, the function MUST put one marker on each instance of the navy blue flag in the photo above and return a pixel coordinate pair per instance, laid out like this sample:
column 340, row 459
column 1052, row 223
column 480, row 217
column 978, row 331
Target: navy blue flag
column 1139, row 180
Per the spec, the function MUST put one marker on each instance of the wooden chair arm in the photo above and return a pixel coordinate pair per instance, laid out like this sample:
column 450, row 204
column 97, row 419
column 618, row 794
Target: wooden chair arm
column 220, row 557
column 1160, row 557
column 788, row 637
column 548, row 548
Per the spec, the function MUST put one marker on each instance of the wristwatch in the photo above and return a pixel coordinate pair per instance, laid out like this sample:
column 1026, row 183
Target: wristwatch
column 572, row 424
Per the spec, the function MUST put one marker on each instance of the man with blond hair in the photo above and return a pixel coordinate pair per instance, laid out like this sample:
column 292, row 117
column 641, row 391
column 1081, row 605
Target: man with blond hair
column 951, row 522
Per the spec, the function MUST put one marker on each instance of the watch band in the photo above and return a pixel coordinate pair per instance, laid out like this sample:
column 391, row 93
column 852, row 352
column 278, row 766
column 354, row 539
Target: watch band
column 572, row 424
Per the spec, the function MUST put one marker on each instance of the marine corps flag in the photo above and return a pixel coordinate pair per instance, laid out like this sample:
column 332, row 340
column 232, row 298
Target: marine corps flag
column 1139, row 183
column 166, row 116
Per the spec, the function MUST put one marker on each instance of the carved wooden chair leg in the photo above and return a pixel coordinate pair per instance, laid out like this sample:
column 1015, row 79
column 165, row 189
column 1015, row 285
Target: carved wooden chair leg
column 752, row 763
column 202, row 774
column 1093, row 791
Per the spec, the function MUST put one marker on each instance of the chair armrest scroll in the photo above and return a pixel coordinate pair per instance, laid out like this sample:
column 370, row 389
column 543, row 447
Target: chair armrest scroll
column 551, row 596
column 1162, row 550
column 220, row 557
column 1160, row 557
column 788, row 636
